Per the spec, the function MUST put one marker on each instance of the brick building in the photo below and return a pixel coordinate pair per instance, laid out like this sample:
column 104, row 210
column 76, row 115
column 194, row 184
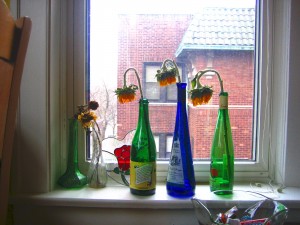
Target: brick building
column 218, row 38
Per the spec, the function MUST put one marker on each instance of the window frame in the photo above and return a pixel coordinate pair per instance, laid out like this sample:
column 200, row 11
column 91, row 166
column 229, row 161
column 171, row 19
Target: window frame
column 259, row 169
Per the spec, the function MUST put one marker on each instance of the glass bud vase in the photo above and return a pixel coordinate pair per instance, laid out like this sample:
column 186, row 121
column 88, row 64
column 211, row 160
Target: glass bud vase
column 181, row 177
column 143, row 155
column 222, row 151
column 97, row 175
column 72, row 178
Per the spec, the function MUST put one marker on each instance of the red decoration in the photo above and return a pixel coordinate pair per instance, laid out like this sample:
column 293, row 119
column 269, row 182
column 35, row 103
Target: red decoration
column 123, row 157
column 214, row 172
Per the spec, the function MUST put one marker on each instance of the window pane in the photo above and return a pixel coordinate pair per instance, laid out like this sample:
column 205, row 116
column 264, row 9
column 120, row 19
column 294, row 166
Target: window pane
column 197, row 35
column 152, row 91
column 171, row 93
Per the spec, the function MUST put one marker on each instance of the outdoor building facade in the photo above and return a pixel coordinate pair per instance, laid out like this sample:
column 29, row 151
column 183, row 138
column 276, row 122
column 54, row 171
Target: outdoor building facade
column 218, row 38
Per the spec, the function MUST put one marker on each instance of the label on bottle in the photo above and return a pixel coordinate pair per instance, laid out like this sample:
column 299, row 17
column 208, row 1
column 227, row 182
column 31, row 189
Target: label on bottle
column 223, row 102
column 142, row 175
column 175, row 173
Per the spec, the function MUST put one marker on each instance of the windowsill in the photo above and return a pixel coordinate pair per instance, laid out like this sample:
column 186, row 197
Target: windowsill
column 120, row 197
column 116, row 205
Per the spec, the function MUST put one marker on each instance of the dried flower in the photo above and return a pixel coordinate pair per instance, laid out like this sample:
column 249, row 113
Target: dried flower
column 166, row 77
column 87, row 118
column 128, row 93
column 168, row 73
column 93, row 105
column 201, row 95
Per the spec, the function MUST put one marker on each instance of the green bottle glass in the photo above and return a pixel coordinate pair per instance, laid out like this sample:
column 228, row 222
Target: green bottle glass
column 222, row 152
column 143, row 155
column 72, row 178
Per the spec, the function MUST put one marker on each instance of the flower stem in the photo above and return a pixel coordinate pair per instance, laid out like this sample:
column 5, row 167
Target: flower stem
column 98, row 132
column 202, row 72
column 138, row 78
column 164, row 67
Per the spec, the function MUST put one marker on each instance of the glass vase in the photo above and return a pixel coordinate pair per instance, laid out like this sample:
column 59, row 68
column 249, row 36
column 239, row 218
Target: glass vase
column 181, row 177
column 97, row 174
column 72, row 178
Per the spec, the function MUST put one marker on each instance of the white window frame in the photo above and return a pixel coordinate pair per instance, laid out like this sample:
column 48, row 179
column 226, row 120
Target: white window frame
column 262, row 169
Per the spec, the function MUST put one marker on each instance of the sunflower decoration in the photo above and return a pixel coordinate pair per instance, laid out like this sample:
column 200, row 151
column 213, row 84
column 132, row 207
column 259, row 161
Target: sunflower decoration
column 168, row 73
column 200, row 94
column 128, row 93
column 85, row 115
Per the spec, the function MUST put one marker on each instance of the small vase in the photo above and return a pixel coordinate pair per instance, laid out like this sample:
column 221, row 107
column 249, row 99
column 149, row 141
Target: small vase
column 97, row 175
column 72, row 178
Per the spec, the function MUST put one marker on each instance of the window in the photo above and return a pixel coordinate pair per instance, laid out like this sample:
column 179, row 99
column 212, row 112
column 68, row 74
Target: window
column 48, row 58
column 134, row 38
column 153, row 91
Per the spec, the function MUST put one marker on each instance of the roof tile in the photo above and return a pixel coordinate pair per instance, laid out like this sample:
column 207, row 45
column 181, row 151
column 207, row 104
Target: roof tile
column 220, row 28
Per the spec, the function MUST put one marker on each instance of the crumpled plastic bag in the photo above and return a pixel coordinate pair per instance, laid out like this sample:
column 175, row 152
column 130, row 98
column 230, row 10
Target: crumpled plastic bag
column 264, row 212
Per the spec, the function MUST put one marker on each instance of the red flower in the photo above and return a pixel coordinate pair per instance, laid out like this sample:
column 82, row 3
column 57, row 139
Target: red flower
column 123, row 157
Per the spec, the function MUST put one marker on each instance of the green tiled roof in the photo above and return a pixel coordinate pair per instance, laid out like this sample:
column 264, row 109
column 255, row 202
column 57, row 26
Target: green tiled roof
column 220, row 28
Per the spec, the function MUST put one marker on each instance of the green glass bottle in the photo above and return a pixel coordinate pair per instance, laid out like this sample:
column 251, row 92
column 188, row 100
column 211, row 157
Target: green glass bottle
column 222, row 151
column 143, row 155
column 72, row 178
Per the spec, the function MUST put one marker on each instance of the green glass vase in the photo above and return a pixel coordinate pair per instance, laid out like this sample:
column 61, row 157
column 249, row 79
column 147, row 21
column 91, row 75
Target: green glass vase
column 72, row 178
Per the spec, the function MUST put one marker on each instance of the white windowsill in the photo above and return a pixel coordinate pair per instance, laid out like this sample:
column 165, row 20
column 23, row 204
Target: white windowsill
column 120, row 197
column 116, row 205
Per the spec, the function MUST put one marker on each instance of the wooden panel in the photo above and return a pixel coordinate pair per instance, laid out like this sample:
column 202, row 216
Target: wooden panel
column 7, row 29
column 6, row 71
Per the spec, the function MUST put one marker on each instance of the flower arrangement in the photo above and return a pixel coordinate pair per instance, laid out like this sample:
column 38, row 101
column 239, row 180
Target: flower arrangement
column 97, row 174
column 142, row 152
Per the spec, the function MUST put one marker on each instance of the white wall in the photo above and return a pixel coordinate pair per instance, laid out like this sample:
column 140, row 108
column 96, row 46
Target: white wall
column 291, row 174
column 43, row 84
column 36, row 162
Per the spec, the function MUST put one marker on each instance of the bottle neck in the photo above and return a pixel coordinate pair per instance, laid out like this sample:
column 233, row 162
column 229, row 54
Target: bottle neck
column 181, row 92
column 143, row 109
column 223, row 101
column 73, row 142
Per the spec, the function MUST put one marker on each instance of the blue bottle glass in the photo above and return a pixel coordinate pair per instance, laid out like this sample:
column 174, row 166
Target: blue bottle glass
column 181, row 176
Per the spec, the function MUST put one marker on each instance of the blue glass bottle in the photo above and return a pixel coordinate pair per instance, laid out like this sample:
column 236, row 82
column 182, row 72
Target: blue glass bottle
column 181, row 177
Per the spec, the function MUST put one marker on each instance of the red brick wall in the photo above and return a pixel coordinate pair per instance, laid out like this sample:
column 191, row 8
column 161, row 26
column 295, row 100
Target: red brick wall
column 236, row 70
column 143, row 42
column 162, row 39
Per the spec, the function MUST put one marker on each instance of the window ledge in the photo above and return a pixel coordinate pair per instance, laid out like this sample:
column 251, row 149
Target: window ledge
column 120, row 197
column 116, row 205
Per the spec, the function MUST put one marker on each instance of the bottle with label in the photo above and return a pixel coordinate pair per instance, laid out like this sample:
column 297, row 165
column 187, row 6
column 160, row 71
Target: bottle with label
column 181, row 177
column 222, row 151
column 143, row 155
